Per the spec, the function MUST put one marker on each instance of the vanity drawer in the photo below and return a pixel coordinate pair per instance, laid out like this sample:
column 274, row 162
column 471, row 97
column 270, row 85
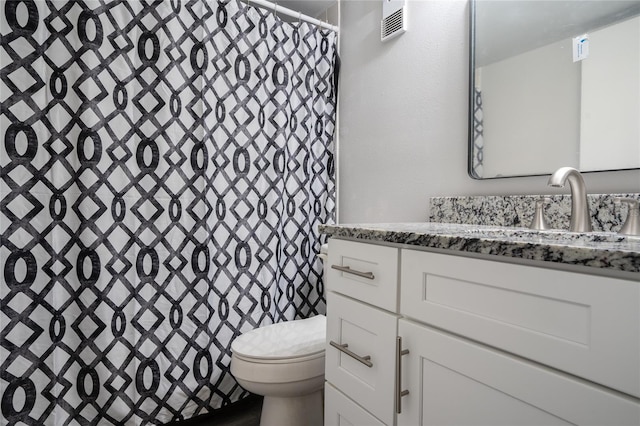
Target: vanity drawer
column 340, row 410
column 583, row 324
column 367, row 331
column 367, row 272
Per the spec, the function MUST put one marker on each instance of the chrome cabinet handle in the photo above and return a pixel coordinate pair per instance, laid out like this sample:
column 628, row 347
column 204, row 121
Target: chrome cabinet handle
column 399, row 392
column 343, row 348
column 348, row 270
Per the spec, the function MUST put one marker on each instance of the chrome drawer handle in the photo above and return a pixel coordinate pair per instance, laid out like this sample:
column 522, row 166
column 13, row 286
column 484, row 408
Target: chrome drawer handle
column 348, row 270
column 399, row 392
column 343, row 348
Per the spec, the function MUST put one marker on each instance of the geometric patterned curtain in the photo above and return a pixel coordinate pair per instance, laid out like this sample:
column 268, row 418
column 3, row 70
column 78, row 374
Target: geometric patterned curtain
column 164, row 167
column 477, row 168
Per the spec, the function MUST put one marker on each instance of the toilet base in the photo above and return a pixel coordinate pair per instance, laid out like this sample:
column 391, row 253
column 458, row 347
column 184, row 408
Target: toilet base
column 293, row 411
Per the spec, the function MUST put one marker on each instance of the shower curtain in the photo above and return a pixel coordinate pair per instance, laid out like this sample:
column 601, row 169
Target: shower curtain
column 164, row 167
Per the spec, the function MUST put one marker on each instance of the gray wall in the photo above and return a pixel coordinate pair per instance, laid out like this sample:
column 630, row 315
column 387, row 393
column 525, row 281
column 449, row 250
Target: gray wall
column 403, row 117
column 538, row 86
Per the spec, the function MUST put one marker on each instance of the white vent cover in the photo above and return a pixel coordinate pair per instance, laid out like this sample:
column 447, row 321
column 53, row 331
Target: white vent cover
column 394, row 19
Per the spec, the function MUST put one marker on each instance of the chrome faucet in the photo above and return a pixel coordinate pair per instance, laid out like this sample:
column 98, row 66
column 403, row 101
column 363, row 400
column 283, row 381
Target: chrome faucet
column 580, row 216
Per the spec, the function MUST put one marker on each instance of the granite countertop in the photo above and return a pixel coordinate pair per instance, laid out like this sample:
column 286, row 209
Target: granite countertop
column 604, row 250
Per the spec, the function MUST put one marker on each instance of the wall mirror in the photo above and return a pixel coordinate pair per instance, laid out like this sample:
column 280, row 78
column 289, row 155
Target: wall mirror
column 552, row 84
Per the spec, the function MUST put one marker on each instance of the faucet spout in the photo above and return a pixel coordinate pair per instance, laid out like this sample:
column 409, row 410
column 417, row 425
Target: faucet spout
column 580, row 216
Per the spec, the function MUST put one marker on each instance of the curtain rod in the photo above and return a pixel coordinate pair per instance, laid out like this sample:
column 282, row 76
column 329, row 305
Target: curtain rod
column 289, row 12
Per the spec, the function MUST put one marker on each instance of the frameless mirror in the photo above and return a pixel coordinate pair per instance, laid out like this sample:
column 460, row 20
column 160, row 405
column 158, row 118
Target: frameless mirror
column 552, row 84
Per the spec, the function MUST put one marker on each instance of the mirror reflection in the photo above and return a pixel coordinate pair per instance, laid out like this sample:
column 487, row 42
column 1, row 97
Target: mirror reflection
column 554, row 83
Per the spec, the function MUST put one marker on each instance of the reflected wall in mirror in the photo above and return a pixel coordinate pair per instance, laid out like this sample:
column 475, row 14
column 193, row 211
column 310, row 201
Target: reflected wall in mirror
column 552, row 84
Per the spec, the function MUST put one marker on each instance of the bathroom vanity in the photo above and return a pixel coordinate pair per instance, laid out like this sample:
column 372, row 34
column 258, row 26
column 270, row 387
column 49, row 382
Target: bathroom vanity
column 433, row 324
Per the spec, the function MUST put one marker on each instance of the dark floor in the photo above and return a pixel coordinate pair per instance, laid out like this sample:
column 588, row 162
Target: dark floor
column 242, row 413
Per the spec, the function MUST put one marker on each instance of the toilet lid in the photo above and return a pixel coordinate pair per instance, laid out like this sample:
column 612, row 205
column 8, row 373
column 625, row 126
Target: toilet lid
column 288, row 339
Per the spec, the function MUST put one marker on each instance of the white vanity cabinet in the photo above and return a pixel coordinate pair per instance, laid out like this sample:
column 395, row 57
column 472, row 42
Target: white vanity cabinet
column 362, row 326
column 582, row 324
column 488, row 342
column 340, row 410
column 452, row 381
column 360, row 356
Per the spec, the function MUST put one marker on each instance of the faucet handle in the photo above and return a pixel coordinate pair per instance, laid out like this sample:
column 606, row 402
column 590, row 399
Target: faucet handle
column 539, row 222
column 632, row 224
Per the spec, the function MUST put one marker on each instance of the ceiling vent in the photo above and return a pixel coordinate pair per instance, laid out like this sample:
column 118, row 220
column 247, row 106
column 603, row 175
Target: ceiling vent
column 394, row 19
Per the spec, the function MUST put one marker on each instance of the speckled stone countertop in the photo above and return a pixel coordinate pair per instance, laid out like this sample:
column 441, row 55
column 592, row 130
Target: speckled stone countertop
column 517, row 210
column 604, row 250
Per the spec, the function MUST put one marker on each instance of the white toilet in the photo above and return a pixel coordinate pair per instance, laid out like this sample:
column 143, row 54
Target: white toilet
column 285, row 363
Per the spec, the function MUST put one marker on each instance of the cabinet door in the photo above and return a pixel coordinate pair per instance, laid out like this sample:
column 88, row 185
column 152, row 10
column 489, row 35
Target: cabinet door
column 368, row 332
column 341, row 411
column 452, row 381
column 583, row 324
column 367, row 272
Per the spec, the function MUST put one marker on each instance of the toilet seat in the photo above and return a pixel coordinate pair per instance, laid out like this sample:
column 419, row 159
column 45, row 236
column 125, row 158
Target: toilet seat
column 301, row 358
column 278, row 371
column 285, row 342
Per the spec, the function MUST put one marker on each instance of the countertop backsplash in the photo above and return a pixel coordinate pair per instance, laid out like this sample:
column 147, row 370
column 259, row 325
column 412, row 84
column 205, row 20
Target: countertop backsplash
column 518, row 210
